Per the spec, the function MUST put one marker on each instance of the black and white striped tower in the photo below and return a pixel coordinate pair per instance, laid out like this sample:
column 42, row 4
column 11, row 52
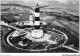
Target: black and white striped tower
column 37, row 32
column 37, row 18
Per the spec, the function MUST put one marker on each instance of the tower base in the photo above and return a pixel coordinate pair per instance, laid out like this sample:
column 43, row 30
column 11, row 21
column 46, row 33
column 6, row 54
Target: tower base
column 37, row 33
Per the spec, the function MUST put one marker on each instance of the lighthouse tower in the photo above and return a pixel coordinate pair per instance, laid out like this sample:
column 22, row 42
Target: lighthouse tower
column 37, row 32
column 37, row 18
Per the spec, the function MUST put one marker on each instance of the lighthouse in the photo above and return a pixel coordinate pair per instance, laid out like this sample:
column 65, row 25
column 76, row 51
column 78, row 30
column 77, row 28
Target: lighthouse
column 37, row 17
column 37, row 32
